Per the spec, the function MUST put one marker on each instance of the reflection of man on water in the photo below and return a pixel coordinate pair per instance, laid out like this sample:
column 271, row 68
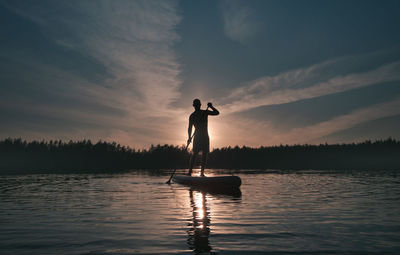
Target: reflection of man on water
column 199, row 118
column 199, row 232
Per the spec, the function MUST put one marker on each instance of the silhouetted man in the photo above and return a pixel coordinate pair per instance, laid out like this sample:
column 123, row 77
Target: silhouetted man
column 201, row 142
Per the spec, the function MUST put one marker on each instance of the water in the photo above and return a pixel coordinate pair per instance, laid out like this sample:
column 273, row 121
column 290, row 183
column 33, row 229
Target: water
column 306, row 212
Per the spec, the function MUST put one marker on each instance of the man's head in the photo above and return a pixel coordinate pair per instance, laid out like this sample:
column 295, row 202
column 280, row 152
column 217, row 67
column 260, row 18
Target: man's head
column 196, row 104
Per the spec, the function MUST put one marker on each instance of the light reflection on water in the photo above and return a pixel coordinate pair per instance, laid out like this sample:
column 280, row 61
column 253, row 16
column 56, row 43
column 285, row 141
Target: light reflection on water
column 137, row 213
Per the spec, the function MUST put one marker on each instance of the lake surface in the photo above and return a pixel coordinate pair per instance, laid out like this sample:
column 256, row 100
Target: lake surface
column 305, row 212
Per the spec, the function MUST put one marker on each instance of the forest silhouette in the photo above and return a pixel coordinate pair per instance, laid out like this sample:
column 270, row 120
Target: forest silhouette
column 18, row 156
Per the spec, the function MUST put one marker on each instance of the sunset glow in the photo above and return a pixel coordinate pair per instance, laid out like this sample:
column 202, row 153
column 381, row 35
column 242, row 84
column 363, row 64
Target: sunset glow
column 127, row 71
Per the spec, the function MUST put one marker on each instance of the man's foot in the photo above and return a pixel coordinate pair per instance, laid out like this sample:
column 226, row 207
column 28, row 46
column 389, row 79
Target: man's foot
column 202, row 175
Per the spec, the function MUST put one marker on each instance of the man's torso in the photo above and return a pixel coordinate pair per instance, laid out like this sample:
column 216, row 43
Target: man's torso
column 200, row 122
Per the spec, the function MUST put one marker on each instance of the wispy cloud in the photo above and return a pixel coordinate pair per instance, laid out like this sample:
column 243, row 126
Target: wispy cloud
column 329, row 77
column 315, row 81
column 238, row 20
column 256, row 132
column 316, row 132
column 133, row 41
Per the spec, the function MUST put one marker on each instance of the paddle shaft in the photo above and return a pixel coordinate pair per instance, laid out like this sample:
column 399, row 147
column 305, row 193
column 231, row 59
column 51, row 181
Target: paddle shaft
column 172, row 175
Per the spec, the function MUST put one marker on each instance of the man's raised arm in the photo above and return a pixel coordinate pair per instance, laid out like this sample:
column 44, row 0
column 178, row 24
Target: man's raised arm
column 214, row 110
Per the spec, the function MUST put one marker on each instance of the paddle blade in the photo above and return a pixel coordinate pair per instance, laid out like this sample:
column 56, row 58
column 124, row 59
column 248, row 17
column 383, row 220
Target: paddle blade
column 170, row 178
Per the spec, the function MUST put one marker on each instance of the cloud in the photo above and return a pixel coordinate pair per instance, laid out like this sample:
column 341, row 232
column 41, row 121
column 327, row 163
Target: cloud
column 326, row 78
column 314, row 81
column 238, row 20
column 232, row 130
column 316, row 132
column 132, row 40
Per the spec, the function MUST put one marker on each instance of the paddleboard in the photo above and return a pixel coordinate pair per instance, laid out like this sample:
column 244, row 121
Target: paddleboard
column 213, row 181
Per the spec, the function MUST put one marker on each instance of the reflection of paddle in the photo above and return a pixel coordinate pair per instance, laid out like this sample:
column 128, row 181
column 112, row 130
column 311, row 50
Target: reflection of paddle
column 172, row 175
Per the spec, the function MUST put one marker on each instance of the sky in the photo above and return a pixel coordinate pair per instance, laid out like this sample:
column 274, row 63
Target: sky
column 279, row 72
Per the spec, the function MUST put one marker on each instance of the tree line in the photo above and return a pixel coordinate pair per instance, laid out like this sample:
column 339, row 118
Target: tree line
column 18, row 156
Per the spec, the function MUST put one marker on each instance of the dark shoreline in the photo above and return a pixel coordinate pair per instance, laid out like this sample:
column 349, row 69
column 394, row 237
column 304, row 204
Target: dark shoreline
column 21, row 157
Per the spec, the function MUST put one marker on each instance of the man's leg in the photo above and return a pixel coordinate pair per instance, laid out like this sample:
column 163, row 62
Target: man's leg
column 203, row 162
column 191, row 162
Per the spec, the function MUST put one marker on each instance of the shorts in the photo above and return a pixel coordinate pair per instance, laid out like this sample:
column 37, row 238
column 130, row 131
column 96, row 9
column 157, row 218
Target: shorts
column 201, row 143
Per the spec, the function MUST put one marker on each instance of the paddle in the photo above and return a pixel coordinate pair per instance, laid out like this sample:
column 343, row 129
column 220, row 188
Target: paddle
column 172, row 175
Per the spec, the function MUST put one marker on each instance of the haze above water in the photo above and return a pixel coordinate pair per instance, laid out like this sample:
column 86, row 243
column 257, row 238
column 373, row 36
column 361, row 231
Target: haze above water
column 137, row 213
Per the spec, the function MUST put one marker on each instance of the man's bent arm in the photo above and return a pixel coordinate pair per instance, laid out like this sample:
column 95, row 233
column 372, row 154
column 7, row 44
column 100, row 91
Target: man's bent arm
column 214, row 110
